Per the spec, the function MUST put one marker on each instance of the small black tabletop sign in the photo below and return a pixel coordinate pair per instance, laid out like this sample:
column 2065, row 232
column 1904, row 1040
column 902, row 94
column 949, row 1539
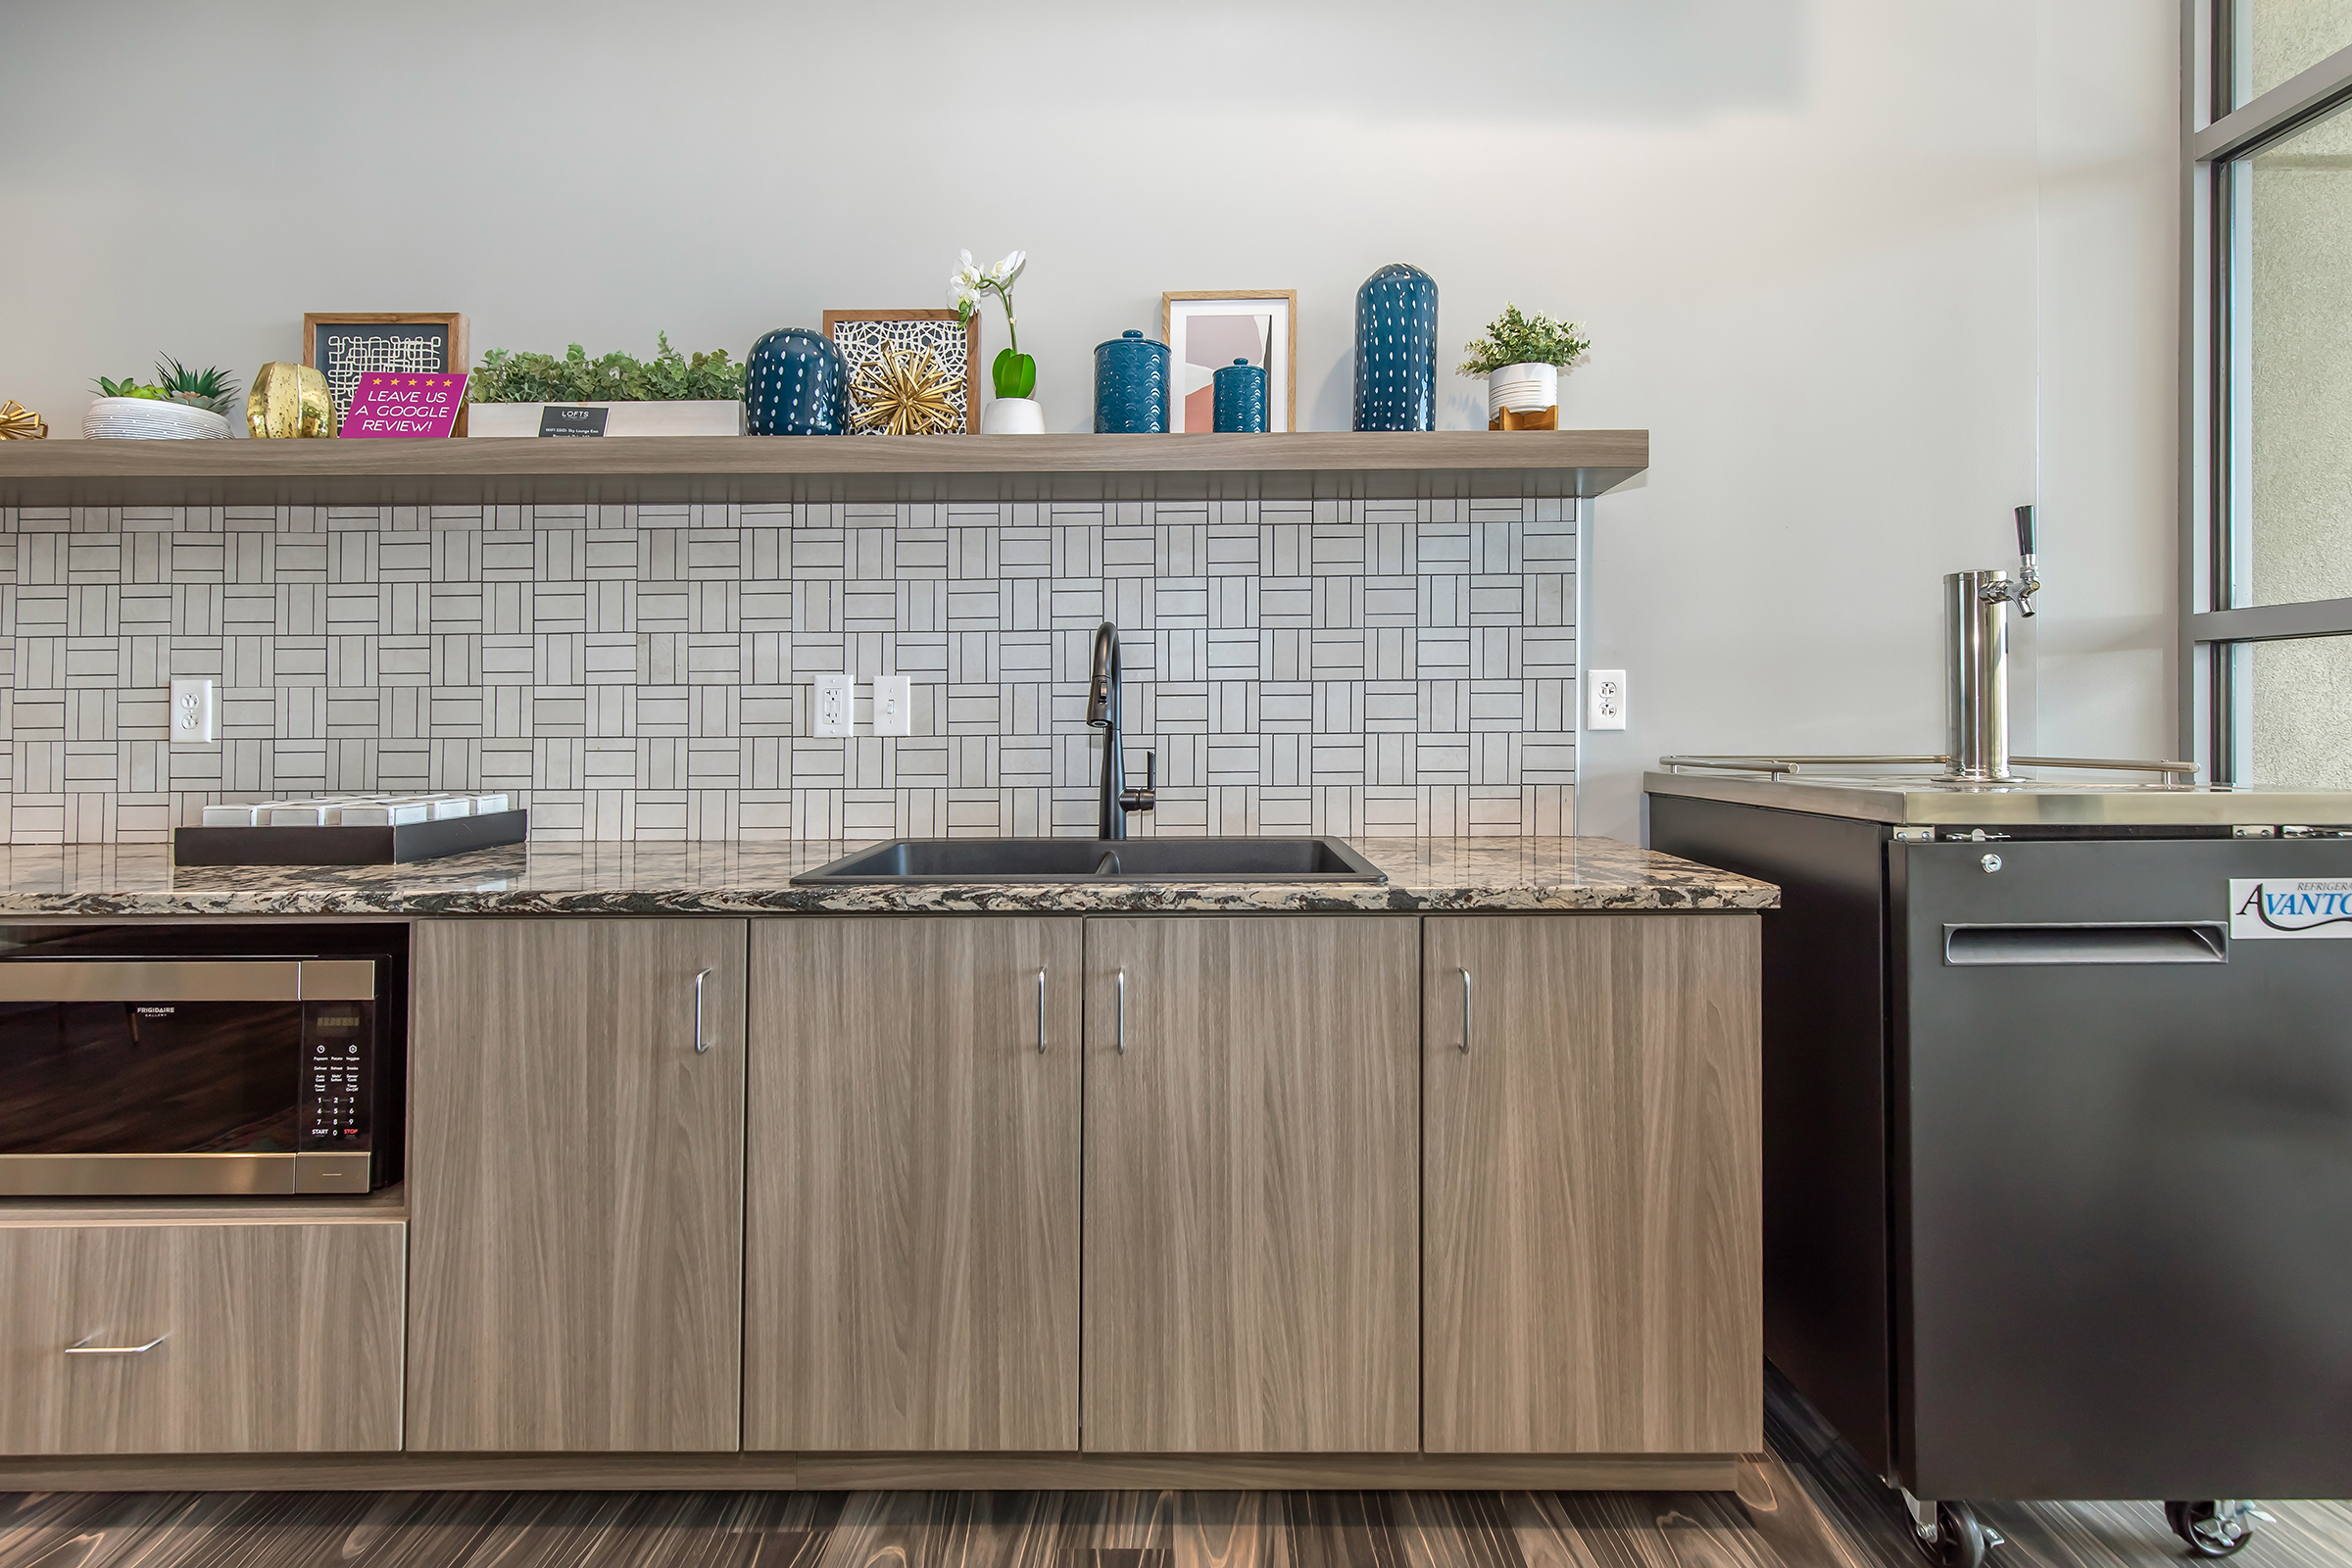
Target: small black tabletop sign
column 570, row 418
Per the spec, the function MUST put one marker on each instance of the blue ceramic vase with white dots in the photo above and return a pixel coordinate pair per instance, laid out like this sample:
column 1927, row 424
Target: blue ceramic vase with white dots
column 1131, row 385
column 1240, row 397
column 796, row 383
column 1396, row 350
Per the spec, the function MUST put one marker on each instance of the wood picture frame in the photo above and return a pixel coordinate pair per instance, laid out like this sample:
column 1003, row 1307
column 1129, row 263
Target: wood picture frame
column 971, row 350
column 1282, row 379
column 319, row 330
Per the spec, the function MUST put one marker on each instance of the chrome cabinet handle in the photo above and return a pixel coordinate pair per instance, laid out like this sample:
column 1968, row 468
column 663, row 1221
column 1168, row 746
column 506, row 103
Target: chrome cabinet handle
column 1465, row 974
column 702, row 1042
column 1121, row 1035
column 84, row 1346
column 1040, row 1009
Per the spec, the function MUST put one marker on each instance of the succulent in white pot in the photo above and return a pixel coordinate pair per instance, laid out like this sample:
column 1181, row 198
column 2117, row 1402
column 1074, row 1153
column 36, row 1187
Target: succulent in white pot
column 178, row 405
column 1522, row 357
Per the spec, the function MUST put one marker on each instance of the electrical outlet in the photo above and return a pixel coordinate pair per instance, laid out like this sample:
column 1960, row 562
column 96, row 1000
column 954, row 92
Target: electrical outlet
column 192, row 712
column 1604, row 698
column 894, row 704
column 836, row 706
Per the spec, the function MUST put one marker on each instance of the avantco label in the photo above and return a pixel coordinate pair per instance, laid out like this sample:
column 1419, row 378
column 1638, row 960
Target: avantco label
column 2284, row 906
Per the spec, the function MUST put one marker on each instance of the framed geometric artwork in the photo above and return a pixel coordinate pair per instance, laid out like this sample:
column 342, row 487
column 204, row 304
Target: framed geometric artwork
column 345, row 345
column 1207, row 329
column 935, row 354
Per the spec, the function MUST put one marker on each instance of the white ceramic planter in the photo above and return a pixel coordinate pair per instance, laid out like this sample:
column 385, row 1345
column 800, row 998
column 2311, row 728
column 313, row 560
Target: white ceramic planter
column 1013, row 417
column 147, row 420
column 1523, row 389
column 707, row 417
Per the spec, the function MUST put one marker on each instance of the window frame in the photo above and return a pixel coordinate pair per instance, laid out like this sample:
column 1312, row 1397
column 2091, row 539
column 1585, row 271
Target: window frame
column 2215, row 364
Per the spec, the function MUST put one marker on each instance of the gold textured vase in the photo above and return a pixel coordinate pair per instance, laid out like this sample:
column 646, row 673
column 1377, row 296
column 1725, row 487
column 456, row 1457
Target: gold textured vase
column 289, row 400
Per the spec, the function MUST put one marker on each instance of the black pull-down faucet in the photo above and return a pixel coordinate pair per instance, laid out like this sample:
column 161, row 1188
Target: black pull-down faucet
column 1103, row 713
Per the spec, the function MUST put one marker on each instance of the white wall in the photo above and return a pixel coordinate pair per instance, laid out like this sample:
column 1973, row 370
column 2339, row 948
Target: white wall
column 1825, row 249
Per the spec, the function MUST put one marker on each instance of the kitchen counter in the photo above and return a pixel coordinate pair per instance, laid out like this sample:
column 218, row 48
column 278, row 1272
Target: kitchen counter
column 1444, row 875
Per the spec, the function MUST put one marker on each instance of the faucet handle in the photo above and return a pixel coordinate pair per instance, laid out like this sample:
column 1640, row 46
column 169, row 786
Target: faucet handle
column 1144, row 799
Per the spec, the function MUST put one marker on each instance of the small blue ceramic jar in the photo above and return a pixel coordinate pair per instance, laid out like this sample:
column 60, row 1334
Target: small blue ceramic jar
column 1242, row 397
column 1396, row 350
column 1131, row 385
column 795, row 383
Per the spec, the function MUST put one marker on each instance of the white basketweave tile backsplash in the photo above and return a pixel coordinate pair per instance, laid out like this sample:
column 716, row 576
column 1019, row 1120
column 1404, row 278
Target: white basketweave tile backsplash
column 646, row 672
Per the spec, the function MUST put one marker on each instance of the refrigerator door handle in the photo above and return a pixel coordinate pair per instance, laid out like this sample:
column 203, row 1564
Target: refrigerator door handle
column 2088, row 942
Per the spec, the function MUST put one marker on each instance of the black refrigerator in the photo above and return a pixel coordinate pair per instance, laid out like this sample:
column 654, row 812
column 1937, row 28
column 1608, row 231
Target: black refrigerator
column 2058, row 1126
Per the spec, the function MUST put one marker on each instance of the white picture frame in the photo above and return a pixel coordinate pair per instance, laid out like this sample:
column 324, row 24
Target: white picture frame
column 1203, row 328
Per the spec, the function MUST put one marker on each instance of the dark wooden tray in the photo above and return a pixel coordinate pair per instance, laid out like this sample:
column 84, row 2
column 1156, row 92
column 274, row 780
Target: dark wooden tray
column 346, row 845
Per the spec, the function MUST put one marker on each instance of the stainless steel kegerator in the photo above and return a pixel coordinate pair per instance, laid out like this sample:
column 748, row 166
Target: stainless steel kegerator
column 2058, row 1115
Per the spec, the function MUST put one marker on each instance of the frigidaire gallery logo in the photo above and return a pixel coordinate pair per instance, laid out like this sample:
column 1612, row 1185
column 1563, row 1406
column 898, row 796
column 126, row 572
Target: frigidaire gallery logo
column 2275, row 907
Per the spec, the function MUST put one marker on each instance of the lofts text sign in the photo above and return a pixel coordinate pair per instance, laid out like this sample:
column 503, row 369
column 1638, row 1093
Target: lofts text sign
column 421, row 407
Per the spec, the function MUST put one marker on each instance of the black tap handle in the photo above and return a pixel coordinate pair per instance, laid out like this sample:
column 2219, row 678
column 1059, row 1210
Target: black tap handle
column 2025, row 531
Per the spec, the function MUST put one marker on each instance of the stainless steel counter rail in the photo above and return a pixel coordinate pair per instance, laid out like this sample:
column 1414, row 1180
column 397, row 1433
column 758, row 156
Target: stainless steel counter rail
column 1797, row 764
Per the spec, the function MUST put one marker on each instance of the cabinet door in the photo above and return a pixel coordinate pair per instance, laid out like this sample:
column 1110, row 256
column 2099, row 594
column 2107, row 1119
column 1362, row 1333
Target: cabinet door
column 576, row 1184
column 913, row 1266
column 1591, row 1185
column 1251, row 1220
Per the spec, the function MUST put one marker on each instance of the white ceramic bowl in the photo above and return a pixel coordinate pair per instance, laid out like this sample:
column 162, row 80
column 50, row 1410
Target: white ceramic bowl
column 146, row 420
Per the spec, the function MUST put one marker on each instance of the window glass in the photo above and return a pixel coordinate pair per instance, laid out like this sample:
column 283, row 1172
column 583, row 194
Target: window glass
column 2274, row 40
column 2294, row 499
column 2299, row 719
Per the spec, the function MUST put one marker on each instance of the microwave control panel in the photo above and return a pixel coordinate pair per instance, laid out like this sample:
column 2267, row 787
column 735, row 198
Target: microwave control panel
column 336, row 1083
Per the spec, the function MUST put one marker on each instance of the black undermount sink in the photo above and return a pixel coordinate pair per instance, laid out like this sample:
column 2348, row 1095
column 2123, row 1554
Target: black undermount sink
column 1170, row 860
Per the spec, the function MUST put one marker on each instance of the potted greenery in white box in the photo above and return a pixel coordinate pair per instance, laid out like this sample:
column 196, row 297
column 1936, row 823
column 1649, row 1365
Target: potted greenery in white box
column 670, row 394
column 1522, row 358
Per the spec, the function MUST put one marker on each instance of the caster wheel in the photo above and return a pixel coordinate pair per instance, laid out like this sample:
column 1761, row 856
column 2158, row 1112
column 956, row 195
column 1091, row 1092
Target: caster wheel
column 1960, row 1537
column 2211, row 1528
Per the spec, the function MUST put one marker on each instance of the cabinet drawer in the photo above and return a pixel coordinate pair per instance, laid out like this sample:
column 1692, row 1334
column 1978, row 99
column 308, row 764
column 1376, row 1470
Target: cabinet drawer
column 261, row 1338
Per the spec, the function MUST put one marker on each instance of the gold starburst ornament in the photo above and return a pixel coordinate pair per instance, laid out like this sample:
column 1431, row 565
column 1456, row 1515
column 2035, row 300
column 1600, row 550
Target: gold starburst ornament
column 19, row 424
column 903, row 393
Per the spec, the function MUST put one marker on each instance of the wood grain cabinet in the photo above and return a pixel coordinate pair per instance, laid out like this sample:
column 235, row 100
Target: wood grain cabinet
column 1252, row 1228
column 200, row 1338
column 1590, row 1185
column 912, row 1260
column 576, row 1184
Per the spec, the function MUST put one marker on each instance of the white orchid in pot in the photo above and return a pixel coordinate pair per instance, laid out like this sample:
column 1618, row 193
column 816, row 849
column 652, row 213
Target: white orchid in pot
column 1014, row 374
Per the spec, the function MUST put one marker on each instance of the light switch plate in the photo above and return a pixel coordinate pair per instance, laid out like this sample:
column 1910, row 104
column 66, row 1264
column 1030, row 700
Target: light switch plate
column 192, row 719
column 1604, row 698
column 894, row 704
column 836, row 706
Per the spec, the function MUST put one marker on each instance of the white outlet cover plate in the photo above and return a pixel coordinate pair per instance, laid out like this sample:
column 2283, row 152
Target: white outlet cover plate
column 894, row 704
column 193, row 722
column 836, row 706
column 1604, row 698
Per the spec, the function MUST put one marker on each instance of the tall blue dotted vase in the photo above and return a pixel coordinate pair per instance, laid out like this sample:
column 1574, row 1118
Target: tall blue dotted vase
column 1396, row 350
column 796, row 383
column 1131, row 385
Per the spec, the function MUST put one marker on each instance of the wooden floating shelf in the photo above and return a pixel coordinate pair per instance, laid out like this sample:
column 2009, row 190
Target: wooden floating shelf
column 772, row 469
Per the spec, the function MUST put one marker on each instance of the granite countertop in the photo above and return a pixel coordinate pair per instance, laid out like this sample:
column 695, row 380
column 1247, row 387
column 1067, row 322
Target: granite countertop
column 735, row 878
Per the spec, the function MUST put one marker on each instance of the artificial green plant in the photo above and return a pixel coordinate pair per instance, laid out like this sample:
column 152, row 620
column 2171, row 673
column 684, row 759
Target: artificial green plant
column 1513, row 338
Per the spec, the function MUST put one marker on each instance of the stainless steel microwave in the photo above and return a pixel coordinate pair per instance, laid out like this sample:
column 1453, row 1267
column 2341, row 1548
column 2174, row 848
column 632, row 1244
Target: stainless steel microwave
column 238, row 1061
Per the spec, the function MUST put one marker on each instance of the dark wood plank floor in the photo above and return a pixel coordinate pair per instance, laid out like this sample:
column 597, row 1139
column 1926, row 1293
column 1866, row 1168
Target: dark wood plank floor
column 1807, row 1505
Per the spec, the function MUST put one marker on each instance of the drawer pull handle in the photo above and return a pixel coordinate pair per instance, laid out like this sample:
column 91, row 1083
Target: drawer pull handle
column 1040, row 1009
column 1121, row 1035
column 702, row 1042
column 1465, row 974
column 84, row 1346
